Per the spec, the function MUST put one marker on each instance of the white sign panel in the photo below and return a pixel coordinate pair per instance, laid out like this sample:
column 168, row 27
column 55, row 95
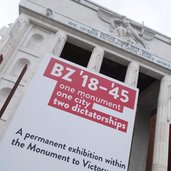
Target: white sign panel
column 70, row 119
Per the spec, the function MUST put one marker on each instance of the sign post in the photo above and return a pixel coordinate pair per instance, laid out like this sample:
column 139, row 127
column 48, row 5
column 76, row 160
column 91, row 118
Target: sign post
column 70, row 119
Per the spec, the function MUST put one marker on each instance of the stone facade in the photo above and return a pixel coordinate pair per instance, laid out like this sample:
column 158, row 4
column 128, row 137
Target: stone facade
column 45, row 26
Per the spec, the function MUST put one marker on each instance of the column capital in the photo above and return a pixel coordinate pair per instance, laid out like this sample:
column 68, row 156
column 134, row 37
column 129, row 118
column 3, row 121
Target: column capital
column 99, row 51
column 166, row 98
column 61, row 36
column 96, row 59
column 165, row 91
column 132, row 73
column 166, row 79
column 60, row 40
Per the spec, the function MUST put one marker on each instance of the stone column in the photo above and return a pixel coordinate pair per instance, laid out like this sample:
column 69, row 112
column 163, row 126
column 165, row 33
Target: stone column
column 160, row 155
column 96, row 59
column 60, row 39
column 132, row 74
column 13, row 35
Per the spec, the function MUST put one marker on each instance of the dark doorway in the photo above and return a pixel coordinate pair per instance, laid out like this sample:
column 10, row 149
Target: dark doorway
column 151, row 143
column 76, row 54
column 113, row 69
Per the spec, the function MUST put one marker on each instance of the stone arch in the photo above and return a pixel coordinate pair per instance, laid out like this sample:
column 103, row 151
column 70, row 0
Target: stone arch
column 35, row 41
column 18, row 67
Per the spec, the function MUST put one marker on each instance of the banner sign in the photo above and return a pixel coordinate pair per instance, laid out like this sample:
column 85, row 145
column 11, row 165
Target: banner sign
column 70, row 119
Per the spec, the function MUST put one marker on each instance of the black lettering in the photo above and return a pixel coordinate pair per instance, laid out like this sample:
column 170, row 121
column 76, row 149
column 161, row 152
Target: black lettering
column 20, row 132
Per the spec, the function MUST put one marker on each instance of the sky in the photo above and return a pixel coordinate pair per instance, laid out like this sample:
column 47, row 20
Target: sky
column 155, row 14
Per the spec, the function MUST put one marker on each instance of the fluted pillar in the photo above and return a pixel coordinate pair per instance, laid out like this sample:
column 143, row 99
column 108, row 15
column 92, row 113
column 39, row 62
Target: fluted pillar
column 160, row 155
column 132, row 74
column 96, row 59
column 60, row 39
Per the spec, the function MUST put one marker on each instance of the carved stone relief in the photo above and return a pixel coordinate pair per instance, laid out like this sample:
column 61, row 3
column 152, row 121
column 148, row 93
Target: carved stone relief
column 127, row 30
